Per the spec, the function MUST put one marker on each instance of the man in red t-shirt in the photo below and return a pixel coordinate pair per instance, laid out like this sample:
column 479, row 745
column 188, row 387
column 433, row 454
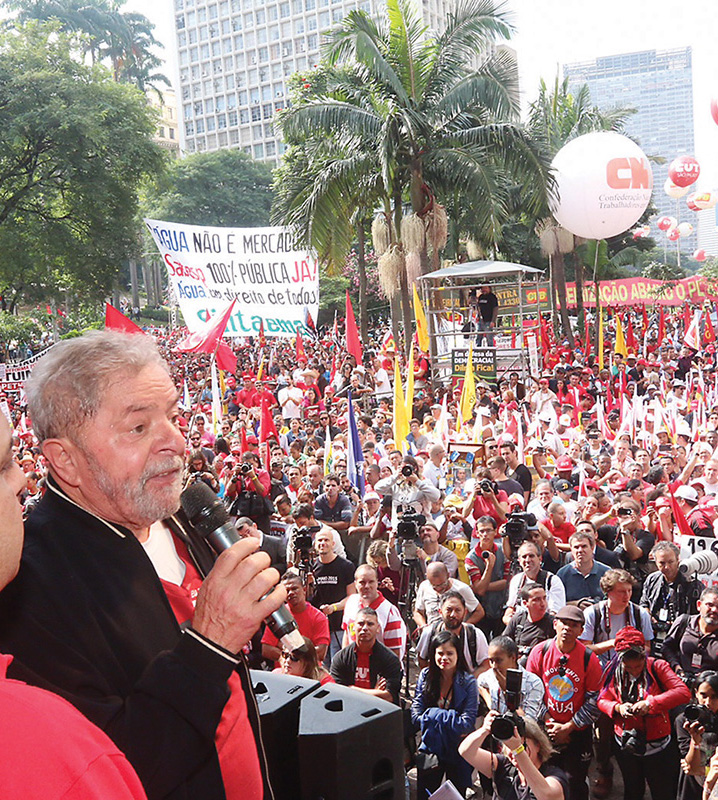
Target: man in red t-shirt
column 310, row 621
column 487, row 499
column 572, row 677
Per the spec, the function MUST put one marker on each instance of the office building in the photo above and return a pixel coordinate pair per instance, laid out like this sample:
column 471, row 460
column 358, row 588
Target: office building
column 234, row 59
column 659, row 85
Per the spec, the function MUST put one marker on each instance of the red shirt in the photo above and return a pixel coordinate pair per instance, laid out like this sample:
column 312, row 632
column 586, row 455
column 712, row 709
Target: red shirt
column 561, row 532
column 311, row 623
column 362, row 677
column 238, row 761
column 565, row 692
column 485, row 508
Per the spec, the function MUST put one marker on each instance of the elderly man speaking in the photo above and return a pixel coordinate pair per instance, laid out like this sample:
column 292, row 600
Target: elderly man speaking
column 120, row 607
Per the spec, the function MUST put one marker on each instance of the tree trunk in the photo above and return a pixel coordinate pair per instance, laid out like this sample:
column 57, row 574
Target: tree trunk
column 148, row 280
column 403, row 283
column 159, row 281
column 578, row 269
column 395, row 330
column 559, row 272
column 361, row 264
column 134, row 284
column 416, row 195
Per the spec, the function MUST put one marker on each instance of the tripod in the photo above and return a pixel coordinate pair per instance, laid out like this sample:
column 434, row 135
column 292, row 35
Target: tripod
column 407, row 594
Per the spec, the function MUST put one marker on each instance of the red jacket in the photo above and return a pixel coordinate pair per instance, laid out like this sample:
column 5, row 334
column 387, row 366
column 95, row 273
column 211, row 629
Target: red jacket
column 666, row 691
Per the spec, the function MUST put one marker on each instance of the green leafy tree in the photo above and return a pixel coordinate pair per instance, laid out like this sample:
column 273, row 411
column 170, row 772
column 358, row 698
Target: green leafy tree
column 420, row 116
column 74, row 148
column 224, row 188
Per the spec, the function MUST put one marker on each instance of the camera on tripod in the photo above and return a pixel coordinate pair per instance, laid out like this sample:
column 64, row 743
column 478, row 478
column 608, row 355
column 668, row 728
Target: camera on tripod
column 408, row 526
column 502, row 728
column 516, row 527
column 303, row 542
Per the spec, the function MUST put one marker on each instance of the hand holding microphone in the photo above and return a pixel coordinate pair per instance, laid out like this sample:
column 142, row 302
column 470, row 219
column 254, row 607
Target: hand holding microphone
column 240, row 591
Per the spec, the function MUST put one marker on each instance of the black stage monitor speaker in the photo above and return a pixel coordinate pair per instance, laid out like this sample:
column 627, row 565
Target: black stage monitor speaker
column 279, row 698
column 351, row 746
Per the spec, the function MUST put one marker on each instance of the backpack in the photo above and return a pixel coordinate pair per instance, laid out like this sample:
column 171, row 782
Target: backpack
column 598, row 618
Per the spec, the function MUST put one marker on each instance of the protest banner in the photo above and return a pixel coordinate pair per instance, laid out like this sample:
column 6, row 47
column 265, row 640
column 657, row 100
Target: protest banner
column 13, row 376
column 644, row 291
column 273, row 281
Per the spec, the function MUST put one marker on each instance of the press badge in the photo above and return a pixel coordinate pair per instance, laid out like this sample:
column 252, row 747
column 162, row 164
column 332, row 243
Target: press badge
column 663, row 615
column 696, row 660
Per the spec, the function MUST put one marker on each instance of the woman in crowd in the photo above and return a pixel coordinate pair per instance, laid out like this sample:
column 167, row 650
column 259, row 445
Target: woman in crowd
column 199, row 470
column 444, row 709
column 522, row 771
column 637, row 694
column 303, row 664
column 697, row 739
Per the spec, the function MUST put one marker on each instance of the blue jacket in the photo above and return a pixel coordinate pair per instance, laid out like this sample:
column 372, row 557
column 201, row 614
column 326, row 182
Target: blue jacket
column 442, row 729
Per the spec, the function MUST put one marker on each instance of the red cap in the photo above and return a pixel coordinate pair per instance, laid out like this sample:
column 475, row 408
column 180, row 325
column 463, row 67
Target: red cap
column 629, row 638
column 564, row 462
column 252, row 439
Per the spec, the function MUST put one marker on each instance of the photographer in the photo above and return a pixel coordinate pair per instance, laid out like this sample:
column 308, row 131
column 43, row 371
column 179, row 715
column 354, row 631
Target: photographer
column 529, row 558
column 698, row 736
column 691, row 645
column 199, row 470
column 247, row 492
column 408, row 491
column 667, row 593
column 486, row 499
column 503, row 656
column 638, row 692
column 444, row 708
column 523, row 773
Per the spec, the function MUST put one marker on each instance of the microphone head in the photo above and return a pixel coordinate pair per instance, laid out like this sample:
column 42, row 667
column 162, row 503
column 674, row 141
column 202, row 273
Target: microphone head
column 205, row 511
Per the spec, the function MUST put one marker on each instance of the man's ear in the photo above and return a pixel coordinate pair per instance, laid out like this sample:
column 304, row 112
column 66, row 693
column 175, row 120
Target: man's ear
column 64, row 457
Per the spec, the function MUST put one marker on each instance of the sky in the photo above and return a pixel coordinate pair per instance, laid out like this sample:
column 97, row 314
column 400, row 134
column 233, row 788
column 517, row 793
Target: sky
column 552, row 32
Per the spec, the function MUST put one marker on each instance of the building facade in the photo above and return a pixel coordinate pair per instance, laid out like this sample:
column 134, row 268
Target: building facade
column 234, row 59
column 659, row 85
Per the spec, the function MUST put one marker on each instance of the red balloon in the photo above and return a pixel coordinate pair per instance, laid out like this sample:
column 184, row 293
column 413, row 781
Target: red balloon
column 714, row 110
column 673, row 235
column 684, row 170
column 690, row 202
column 699, row 255
column 666, row 223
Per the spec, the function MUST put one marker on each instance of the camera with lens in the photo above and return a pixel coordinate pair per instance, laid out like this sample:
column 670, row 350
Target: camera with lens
column 516, row 527
column 409, row 525
column 303, row 541
column 245, row 469
column 488, row 486
column 407, row 470
column 633, row 742
column 502, row 727
column 694, row 712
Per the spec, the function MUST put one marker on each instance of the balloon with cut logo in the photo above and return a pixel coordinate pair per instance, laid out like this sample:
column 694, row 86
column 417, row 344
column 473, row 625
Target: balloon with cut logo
column 691, row 202
column 699, row 255
column 673, row 235
column 705, row 200
column 684, row 229
column 714, row 110
column 603, row 182
column 666, row 223
column 673, row 191
column 642, row 232
column 684, row 170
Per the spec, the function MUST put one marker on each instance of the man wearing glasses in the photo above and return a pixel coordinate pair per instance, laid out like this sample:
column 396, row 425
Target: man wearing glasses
column 572, row 676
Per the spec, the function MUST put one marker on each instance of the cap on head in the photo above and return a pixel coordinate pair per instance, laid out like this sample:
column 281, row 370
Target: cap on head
column 571, row 614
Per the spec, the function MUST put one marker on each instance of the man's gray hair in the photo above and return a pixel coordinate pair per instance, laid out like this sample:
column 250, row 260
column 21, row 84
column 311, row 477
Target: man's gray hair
column 66, row 386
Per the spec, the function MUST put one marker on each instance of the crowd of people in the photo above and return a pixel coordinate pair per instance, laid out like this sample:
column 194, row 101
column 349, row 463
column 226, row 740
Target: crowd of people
column 423, row 578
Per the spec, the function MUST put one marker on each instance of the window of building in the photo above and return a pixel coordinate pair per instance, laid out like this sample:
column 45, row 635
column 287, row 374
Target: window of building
column 252, row 76
column 312, row 23
column 243, row 98
column 282, row 147
column 276, row 71
column 229, row 82
column 200, row 126
column 224, row 8
column 193, row 36
column 324, row 21
column 234, row 137
column 218, row 86
column 202, row 15
column 267, row 111
column 179, row 5
column 171, row 133
column 209, row 106
column 183, row 58
column 226, row 26
column 288, row 67
column 247, row 150
column 222, row 139
column 220, row 103
column 187, row 110
column 232, row 118
column 198, row 108
column 213, row 11
column 337, row 15
column 299, row 25
column 244, row 115
column 256, row 114
column 249, row 40
column 260, row 16
column 284, row 10
column 302, row 63
column 228, row 63
column 273, row 13
column 221, row 121
column 204, row 52
column 203, row 33
column 181, row 39
column 216, row 48
column 239, row 43
column 249, row 20
column 256, row 132
column 297, row 6
column 193, row 54
column 191, row 18
column 300, row 46
column 186, row 92
column 179, row 22
column 211, row 124
column 270, row 148
column 312, row 41
column 188, row 129
column 190, row 146
column 268, row 129
column 287, row 48
column 262, row 36
column 258, row 151
column 195, row 72
column 236, row 6
column 266, row 92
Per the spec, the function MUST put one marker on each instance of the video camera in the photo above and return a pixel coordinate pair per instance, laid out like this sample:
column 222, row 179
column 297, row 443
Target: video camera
column 407, row 532
column 502, row 728
column 516, row 527
column 304, row 541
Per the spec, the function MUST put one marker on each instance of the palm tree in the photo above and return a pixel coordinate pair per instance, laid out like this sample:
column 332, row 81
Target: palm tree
column 434, row 125
column 556, row 117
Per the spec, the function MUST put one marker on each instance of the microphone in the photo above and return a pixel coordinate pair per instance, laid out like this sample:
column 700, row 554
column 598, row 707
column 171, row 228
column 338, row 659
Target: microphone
column 209, row 517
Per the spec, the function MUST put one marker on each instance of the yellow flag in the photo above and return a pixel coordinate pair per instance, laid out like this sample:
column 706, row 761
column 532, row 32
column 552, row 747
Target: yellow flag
column 401, row 424
column 410, row 387
column 600, row 339
column 261, row 368
column 468, row 391
column 620, row 341
column 422, row 329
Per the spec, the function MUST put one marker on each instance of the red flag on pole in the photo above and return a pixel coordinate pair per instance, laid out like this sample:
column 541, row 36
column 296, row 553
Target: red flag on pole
column 116, row 321
column 661, row 325
column 630, row 337
column 262, row 338
column 687, row 317
column 353, row 341
column 209, row 340
column 267, row 428
column 680, row 518
column 709, row 334
column 301, row 354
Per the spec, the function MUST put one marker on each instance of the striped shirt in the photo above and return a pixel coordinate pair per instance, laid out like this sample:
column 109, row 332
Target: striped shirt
column 392, row 630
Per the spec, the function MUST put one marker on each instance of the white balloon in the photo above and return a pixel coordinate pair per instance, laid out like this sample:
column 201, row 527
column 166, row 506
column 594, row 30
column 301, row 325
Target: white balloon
column 676, row 192
column 604, row 184
column 685, row 229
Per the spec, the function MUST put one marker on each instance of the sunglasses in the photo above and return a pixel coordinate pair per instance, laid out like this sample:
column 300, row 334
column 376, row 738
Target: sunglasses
column 291, row 656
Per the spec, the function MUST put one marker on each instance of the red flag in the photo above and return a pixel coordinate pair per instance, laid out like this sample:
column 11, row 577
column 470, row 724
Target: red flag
column 630, row 337
column 353, row 341
column 116, row 321
column 243, row 440
column 687, row 317
column 680, row 518
column 645, row 319
column 301, row 354
column 709, row 334
column 267, row 428
column 209, row 340
column 262, row 338
column 334, row 368
column 661, row 325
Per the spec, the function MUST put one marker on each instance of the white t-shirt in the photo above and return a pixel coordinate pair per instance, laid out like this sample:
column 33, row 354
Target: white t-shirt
column 428, row 600
column 160, row 549
column 292, row 409
column 382, row 384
